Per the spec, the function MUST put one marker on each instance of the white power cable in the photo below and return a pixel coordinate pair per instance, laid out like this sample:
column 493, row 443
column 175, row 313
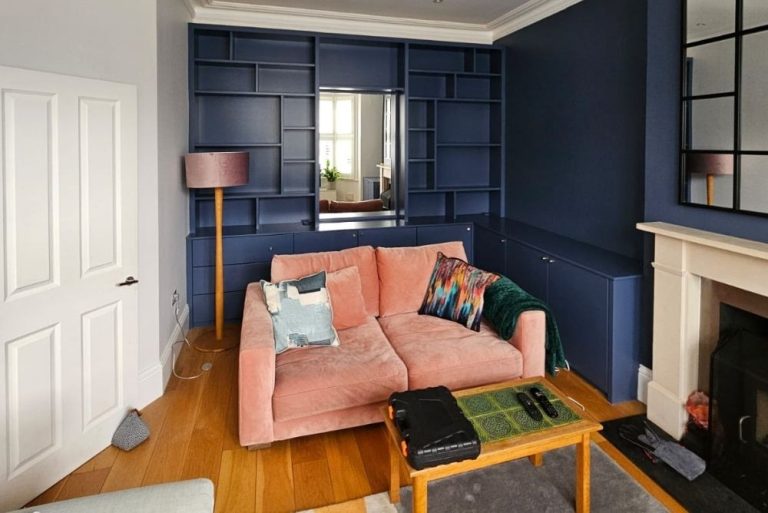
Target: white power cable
column 206, row 366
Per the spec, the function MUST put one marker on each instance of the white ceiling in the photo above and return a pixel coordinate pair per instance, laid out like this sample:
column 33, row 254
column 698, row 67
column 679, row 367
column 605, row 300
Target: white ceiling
column 459, row 11
column 461, row 21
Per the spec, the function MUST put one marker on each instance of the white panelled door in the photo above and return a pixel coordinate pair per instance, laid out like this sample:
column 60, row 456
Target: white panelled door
column 68, row 236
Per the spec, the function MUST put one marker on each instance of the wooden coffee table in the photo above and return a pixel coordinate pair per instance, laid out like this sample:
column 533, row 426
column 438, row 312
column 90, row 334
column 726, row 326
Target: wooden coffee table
column 532, row 445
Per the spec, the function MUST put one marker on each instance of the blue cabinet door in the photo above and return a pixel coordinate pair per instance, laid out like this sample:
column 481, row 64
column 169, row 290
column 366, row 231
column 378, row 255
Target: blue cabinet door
column 312, row 242
column 447, row 233
column 241, row 249
column 490, row 251
column 528, row 268
column 387, row 237
column 579, row 300
column 236, row 277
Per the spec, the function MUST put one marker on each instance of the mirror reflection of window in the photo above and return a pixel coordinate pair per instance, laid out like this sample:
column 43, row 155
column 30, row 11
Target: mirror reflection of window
column 356, row 139
column 339, row 133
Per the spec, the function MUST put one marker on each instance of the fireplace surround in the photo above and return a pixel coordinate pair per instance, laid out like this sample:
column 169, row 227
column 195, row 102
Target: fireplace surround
column 686, row 264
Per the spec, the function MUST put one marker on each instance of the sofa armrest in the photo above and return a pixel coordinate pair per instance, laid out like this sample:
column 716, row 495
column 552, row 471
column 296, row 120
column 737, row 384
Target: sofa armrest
column 257, row 370
column 193, row 496
column 529, row 338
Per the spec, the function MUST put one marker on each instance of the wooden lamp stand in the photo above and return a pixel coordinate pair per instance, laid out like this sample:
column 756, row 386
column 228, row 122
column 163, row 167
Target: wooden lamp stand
column 217, row 170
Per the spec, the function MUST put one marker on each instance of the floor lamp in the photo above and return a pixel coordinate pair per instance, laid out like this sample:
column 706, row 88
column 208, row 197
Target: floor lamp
column 216, row 171
column 709, row 165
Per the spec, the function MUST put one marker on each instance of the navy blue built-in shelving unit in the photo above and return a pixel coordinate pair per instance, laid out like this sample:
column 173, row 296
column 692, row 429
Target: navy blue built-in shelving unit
column 455, row 130
column 256, row 90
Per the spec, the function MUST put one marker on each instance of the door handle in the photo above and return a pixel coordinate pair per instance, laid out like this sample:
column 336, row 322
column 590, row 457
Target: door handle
column 130, row 280
column 741, row 428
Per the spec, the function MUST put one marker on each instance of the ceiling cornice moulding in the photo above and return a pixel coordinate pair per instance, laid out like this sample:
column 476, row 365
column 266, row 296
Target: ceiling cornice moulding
column 527, row 14
column 225, row 12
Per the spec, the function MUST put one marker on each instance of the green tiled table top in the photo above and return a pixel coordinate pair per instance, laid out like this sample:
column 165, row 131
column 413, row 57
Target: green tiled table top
column 498, row 415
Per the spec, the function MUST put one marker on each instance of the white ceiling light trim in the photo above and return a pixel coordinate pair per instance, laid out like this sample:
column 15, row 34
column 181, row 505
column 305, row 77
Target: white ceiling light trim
column 267, row 16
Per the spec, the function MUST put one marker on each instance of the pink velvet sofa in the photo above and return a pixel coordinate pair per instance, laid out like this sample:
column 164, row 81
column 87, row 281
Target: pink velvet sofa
column 315, row 390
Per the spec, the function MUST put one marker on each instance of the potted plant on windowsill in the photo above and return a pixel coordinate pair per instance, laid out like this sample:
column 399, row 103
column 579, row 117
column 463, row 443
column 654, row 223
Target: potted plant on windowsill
column 330, row 175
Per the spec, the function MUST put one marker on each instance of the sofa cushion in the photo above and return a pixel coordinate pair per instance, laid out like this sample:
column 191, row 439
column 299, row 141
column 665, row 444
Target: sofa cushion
column 347, row 300
column 301, row 312
column 404, row 274
column 364, row 369
column 441, row 352
column 289, row 267
column 455, row 292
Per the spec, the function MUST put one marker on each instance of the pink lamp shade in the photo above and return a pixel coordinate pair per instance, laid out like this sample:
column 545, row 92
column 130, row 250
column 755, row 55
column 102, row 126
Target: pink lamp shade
column 709, row 164
column 220, row 169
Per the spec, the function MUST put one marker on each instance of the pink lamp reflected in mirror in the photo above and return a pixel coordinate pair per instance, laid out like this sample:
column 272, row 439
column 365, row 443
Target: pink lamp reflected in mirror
column 216, row 171
column 709, row 165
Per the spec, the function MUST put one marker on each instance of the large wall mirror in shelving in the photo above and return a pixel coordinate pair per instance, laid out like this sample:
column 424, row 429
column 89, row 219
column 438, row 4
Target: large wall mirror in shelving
column 356, row 146
column 724, row 157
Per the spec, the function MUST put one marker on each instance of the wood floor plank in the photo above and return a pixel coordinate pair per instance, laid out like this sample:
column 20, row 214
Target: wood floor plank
column 203, row 454
column 372, row 444
column 346, row 466
column 82, row 484
column 237, row 482
column 105, row 459
column 312, row 484
column 232, row 434
column 308, row 448
column 275, row 463
column 167, row 461
column 127, row 471
column 49, row 495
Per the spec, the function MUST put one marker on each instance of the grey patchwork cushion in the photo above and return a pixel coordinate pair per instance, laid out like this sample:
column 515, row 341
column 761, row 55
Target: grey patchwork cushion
column 131, row 432
column 301, row 313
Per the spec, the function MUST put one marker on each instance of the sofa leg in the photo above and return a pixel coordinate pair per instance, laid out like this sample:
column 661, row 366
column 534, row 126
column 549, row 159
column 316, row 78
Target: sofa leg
column 256, row 447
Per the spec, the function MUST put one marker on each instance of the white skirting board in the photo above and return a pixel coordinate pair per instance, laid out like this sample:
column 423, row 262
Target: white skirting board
column 152, row 381
column 644, row 376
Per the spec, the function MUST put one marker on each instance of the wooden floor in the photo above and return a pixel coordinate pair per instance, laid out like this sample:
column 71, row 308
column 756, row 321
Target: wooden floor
column 194, row 434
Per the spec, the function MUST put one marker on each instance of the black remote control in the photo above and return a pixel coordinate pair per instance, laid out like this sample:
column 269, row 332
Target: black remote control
column 530, row 408
column 544, row 402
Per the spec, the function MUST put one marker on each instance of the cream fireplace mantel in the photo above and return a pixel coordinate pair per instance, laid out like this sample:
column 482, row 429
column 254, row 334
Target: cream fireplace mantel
column 683, row 257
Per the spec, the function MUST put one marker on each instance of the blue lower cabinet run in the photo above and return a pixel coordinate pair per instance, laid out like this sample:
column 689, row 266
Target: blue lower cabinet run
column 313, row 242
column 236, row 277
column 202, row 308
column 447, row 233
column 387, row 237
column 241, row 249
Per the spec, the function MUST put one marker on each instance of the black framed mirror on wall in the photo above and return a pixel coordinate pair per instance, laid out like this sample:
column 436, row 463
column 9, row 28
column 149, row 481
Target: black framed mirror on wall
column 724, row 105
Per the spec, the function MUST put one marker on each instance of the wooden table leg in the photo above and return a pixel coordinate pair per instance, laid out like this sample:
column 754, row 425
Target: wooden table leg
column 537, row 460
column 394, row 473
column 419, row 494
column 582, row 475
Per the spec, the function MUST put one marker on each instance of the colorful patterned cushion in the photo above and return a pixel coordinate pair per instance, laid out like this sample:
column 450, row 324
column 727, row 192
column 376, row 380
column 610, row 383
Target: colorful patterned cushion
column 455, row 291
column 301, row 312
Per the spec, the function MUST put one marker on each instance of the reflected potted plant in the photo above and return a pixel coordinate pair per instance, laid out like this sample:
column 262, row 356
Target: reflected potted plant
column 330, row 175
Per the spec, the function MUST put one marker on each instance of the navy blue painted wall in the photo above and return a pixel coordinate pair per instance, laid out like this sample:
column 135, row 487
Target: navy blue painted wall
column 575, row 123
column 662, row 135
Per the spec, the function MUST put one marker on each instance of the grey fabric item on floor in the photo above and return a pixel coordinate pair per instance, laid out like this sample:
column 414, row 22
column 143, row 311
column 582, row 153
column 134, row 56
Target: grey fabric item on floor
column 521, row 488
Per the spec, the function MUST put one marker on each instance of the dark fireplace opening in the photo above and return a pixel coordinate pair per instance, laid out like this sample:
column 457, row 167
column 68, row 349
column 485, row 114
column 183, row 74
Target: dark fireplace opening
column 738, row 414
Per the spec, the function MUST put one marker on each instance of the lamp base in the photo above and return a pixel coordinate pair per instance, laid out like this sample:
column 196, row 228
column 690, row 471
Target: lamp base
column 205, row 339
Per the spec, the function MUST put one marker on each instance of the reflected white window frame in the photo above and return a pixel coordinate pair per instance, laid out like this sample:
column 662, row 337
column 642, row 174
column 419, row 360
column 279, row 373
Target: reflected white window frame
column 334, row 137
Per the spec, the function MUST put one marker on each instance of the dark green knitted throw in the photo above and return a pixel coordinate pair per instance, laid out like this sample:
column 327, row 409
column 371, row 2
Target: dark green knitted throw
column 504, row 301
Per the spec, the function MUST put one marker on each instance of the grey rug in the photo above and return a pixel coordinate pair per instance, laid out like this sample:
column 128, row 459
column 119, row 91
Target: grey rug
column 520, row 487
